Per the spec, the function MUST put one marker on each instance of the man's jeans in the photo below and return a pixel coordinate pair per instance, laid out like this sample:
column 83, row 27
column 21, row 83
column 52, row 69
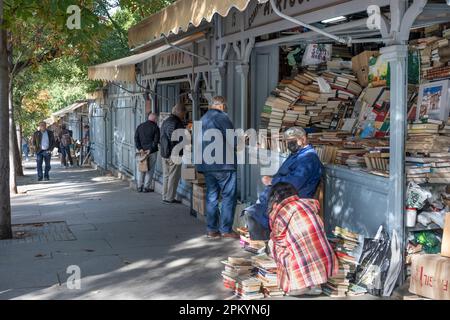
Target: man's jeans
column 144, row 179
column 65, row 153
column 224, row 184
column 43, row 156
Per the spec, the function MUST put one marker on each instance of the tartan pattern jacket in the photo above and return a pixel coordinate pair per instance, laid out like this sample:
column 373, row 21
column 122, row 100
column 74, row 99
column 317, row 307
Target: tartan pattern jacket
column 299, row 245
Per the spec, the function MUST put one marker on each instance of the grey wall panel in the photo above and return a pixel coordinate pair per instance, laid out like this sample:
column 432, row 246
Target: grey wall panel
column 356, row 200
column 264, row 78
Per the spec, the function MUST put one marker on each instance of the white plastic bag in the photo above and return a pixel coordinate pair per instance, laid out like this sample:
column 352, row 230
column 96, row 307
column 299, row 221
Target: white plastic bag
column 395, row 265
column 316, row 54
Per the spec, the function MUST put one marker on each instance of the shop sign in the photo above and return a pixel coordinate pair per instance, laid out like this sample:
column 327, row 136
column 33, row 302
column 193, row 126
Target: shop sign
column 173, row 60
column 261, row 14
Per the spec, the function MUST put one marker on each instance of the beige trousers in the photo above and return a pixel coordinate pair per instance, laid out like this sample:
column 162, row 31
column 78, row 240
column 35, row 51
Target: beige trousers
column 171, row 178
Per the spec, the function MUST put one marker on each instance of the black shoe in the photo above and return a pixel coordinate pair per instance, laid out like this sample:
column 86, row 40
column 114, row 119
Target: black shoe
column 172, row 202
column 141, row 189
column 47, row 178
column 40, row 179
column 148, row 190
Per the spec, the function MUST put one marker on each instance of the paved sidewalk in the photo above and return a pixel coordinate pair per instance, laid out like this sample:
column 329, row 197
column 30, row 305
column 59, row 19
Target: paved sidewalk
column 127, row 245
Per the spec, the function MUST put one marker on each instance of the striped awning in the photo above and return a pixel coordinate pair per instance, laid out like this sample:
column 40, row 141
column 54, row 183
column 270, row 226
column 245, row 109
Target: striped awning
column 68, row 109
column 179, row 16
column 124, row 69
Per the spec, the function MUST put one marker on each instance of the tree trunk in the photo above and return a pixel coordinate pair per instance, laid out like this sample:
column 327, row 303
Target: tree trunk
column 12, row 143
column 18, row 168
column 5, row 201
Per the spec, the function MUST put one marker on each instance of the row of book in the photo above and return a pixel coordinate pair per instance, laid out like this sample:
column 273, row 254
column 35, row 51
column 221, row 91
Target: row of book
column 344, row 243
column 434, row 54
column 428, row 150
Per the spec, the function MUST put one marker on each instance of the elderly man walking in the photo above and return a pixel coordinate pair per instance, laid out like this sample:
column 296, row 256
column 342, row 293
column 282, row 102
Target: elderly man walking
column 220, row 176
column 146, row 140
column 171, row 170
column 43, row 142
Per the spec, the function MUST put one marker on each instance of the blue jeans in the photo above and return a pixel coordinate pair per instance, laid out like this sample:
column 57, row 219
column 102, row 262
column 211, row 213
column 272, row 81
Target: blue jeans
column 43, row 156
column 220, row 183
column 65, row 153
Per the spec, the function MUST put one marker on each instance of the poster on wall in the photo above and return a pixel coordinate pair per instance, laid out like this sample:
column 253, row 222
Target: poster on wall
column 433, row 101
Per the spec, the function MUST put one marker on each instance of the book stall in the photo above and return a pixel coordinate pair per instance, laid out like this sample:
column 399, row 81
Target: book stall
column 344, row 105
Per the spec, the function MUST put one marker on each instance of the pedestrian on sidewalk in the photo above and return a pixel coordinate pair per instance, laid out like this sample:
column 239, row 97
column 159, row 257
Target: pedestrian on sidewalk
column 43, row 142
column 220, row 176
column 146, row 140
column 25, row 149
column 65, row 140
column 171, row 170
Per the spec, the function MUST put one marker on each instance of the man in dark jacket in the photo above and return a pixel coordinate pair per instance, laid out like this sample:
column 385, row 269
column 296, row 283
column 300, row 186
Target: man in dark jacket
column 171, row 170
column 65, row 141
column 43, row 142
column 146, row 140
column 220, row 174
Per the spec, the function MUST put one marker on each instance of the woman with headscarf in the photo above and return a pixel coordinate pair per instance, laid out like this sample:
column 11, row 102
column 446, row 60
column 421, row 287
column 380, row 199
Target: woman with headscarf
column 304, row 257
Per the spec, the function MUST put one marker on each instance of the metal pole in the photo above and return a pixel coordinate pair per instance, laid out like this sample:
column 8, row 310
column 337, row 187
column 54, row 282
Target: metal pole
column 243, row 70
column 397, row 56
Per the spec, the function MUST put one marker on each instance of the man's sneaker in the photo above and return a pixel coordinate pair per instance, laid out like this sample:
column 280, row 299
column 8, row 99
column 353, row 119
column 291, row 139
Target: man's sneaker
column 147, row 190
column 140, row 189
column 213, row 235
column 40, row 179
column 172, row 202
column 176, row 201
column 231, row 235
column 47, row 179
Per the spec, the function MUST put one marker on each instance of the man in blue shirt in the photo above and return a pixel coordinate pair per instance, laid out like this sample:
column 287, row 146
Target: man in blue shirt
column 219, row 171
column 302, row 169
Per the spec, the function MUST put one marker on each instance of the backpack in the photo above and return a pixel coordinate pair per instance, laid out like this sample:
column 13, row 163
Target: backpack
column 66, row 140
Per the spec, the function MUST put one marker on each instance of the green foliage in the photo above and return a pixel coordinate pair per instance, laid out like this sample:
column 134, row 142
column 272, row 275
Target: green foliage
column 49, row 61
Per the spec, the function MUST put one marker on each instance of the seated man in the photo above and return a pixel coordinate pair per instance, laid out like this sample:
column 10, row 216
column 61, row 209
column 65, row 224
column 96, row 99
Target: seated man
column 302, row 169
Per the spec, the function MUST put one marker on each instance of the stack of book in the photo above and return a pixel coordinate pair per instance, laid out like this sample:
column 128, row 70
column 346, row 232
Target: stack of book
column 267, row 274
column 273, row 113
column 434, row 55
column 234, row 269
column 342, row 155
column 249, row 288
column 344, row 243
column 426, row 143
column 377, row 159
column 431, row 168
column 290, row 118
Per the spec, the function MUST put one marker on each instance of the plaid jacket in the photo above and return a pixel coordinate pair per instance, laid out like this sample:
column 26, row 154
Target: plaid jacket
column 299, row 245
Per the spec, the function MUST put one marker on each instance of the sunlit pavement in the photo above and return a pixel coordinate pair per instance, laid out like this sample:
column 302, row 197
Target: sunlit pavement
column 126, row 245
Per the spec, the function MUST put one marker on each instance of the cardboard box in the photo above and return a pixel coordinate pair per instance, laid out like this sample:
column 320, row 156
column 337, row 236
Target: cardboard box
column 430, row 276
column 445, row 248
column 360, row 66
column 189, row 174
column 199, row 198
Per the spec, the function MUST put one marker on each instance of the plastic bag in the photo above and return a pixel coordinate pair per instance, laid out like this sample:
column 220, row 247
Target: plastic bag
column 374, row 263
column 395, row 265
column 416, row 196
column 316, row 54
